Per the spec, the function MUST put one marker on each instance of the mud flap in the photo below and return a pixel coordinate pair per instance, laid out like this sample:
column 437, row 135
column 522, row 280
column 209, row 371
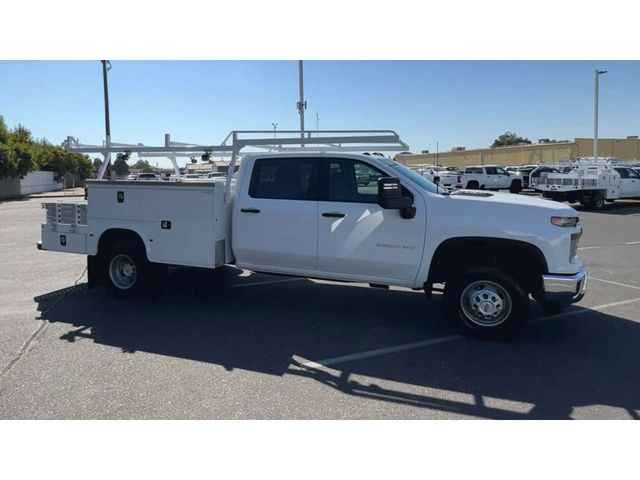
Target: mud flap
column 94, row 272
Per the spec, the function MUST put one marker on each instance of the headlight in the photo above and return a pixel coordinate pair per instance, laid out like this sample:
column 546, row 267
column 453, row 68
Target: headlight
column 564, row 221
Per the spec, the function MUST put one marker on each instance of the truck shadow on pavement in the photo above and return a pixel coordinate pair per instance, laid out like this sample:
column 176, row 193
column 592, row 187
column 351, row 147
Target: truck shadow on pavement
column 559, row 368
column 631, row 208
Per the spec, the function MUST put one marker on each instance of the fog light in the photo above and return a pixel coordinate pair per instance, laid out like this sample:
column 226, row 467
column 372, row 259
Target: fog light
column 575, row 239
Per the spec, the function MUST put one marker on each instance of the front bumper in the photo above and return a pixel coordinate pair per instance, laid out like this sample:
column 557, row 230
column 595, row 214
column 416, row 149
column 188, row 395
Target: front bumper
column 565, row 289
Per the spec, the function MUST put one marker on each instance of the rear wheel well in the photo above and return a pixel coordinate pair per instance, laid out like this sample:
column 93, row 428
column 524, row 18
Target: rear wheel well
column 523, row 260
column 115, row 236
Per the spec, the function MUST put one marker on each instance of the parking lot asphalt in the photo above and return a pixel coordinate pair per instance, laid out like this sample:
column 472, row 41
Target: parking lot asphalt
column 253, row 346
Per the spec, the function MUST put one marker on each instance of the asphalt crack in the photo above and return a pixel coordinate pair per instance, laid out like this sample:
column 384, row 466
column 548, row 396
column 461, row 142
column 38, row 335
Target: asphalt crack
column 26, row 346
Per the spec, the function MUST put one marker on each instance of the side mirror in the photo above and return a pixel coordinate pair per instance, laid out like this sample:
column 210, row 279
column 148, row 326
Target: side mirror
column 390, row 197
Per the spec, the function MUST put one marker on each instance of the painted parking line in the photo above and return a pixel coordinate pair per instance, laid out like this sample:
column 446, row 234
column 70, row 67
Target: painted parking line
column 611, row 282
column 610, row 245
column 380, row 351
column 268, row 282
column 449, row 338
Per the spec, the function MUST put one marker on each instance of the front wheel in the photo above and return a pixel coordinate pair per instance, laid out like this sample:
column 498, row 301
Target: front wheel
column 516, row 187
column 486, row 303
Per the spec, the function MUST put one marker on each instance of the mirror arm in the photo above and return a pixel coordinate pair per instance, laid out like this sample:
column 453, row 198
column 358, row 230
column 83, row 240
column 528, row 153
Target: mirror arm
column 408, row 212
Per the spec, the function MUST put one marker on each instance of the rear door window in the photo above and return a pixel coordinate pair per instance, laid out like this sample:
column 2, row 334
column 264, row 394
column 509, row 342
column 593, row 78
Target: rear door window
column 285, row 179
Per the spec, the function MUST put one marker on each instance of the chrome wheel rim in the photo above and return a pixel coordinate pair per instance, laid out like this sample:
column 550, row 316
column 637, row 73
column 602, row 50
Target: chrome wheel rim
column 486, row 303
column 123, row 271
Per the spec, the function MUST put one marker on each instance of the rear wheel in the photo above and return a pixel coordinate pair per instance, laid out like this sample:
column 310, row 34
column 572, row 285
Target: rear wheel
column 488, row 303
column 597, row 202
column 473, row 185
column 127, row 272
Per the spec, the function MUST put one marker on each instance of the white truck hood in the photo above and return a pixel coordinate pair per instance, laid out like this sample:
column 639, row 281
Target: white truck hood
column 481, row 196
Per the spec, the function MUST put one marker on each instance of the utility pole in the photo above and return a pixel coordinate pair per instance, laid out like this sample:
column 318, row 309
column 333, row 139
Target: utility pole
column 437, row 154
column 275, row 125
column 106, row 66
column 595, row 116
column 302, row 105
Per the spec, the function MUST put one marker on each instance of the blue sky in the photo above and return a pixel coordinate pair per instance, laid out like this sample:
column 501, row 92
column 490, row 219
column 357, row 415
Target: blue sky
column 456, row 103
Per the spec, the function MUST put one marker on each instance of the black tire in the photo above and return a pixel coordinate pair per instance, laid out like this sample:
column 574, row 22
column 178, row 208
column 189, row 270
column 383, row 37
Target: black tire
column 493, row 287
column 473, row 185
column 516, row 186
column 125, row 259
column 597, row 202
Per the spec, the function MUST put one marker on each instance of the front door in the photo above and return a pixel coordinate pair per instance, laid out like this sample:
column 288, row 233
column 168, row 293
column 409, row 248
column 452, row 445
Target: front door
column 630, row 183
column 356, row 237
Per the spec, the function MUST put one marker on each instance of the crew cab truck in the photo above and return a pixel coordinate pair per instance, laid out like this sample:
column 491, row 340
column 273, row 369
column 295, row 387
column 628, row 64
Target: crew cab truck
column 305, row 214
column 591, row 184
column 490, row 177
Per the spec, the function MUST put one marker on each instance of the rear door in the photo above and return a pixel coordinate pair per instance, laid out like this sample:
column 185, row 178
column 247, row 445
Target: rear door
column 356, row 237
column 276, row 216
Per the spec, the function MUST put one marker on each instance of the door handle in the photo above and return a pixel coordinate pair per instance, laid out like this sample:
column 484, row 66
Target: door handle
column 250, row 210
column 334, row 214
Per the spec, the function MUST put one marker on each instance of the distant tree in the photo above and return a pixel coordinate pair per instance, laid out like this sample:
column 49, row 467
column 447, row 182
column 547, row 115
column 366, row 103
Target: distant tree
column 97, row 163
column 4, row 131
column 22, row 134
column 17, row 156
column 143, row 165
column 120, row 166
column 84, row 166
column 508, row 139
column 21, row 154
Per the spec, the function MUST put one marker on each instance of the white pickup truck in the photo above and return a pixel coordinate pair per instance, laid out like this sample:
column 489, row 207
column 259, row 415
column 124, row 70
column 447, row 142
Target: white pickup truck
column 490, row 177
column 305, row 214
column 441, row 176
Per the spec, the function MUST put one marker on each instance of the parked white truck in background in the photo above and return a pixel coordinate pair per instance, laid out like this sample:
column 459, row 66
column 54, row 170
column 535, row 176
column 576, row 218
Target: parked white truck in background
column 591, row 184
column 305, row 214
column 490, row 177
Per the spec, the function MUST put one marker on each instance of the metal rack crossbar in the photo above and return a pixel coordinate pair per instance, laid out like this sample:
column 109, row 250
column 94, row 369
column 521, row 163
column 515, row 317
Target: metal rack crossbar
column 237, row 140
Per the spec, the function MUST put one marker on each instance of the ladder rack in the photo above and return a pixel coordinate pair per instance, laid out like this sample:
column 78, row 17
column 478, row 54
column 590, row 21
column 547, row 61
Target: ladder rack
column 237, row 140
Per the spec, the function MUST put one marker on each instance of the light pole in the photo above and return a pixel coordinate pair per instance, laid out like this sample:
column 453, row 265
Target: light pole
column 595, row 116
column 275, row 125
column 302, row 105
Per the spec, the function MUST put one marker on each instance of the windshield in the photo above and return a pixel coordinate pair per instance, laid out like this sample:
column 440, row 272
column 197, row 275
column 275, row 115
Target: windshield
column 416, row 177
